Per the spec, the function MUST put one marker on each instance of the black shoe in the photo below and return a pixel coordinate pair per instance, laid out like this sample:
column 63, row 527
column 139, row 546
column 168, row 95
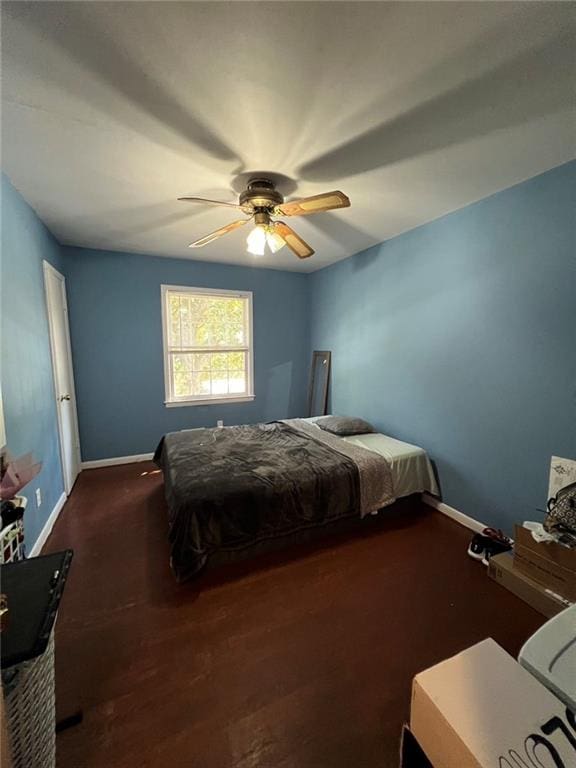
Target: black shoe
column 495, row 548
column 477, row 546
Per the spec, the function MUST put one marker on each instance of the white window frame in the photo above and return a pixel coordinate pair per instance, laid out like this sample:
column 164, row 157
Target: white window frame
column 173, row 402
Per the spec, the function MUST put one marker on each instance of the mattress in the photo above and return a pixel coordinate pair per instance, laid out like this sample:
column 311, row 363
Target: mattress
column 411, row 468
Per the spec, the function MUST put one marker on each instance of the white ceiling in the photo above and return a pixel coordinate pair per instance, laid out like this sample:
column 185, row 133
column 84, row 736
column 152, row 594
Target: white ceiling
column 113, row 110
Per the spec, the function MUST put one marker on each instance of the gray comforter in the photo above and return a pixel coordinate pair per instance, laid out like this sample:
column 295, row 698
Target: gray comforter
column 230, row 488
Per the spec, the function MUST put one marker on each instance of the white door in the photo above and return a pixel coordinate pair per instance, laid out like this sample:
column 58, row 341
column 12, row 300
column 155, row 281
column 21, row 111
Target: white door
column 63, row 375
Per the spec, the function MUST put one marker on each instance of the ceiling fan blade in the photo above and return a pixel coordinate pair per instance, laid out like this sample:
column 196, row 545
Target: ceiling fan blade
column 211, row 202
column 292, row 240
column 218, row 233
column 315, row 204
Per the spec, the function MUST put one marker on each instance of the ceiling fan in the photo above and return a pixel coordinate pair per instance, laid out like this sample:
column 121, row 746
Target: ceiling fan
column 261, row 201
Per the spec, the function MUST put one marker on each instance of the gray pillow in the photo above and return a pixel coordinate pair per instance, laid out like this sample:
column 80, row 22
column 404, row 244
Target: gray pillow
column 344, row 425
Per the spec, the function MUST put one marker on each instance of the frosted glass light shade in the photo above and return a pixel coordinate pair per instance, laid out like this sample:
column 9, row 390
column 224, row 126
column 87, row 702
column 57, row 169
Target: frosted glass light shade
column 256, row 241
column 275, row 242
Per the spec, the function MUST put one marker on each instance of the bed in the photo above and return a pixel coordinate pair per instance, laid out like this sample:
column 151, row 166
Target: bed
column 228, row 489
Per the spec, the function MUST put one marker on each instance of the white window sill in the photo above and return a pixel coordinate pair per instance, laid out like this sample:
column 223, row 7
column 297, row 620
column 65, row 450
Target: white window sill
column 209, row 401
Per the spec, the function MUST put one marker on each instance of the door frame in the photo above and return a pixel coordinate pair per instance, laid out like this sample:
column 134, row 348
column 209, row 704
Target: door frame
column 50, row 270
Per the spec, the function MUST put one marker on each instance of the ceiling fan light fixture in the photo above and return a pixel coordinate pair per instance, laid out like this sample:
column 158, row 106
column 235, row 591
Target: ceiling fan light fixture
column 275, row 242
column 256, row 241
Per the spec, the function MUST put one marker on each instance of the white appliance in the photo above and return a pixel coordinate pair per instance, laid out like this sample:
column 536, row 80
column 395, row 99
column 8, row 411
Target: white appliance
column 550, row 655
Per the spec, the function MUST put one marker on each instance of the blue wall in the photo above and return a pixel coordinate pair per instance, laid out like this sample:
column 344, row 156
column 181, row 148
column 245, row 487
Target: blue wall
column 460, row 336
column 116, row 327
column 25, row 362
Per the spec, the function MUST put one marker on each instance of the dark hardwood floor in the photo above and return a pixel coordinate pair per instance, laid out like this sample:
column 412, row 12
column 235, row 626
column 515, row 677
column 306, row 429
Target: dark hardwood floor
column 296, row 660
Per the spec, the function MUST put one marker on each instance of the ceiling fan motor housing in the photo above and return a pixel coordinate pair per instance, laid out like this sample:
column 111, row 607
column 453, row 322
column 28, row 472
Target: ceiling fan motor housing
column 261, row 193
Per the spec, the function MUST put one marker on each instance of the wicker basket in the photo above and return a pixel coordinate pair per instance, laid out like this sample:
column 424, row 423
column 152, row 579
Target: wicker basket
column 30, row 710
column 12, row 546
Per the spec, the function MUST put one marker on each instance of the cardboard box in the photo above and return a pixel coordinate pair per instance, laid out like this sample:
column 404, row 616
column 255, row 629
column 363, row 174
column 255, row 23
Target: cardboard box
column 501, row 569
column 540, row 569
column 556, row 553
column 552, row 565
column 480, row 709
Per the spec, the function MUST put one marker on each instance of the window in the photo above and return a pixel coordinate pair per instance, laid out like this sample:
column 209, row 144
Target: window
column 207, row 345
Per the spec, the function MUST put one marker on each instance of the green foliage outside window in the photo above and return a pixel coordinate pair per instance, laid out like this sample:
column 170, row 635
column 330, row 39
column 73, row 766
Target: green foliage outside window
column 207, row 322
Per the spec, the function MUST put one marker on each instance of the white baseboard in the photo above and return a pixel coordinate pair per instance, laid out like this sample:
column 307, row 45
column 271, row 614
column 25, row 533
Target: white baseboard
column 117, row 460
column 48, row 525
column 455, row 514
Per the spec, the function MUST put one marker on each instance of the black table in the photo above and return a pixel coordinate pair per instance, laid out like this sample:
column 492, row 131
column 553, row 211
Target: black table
column 34, row 589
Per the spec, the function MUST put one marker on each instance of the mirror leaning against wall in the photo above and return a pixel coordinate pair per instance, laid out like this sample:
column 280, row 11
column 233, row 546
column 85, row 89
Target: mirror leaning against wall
column 319, row 383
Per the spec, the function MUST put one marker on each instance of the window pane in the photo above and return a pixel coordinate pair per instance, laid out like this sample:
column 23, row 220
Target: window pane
column 220, row 383
column 236, row 361
column 219, row 362
column 185, row 322
column 236, row 335
column 207, row 321
column 180, row 363
column 197, row 374
column 181, row 383
column 200, row 384
column 237, row 382
column 174, row 321
column 201, row 361
column 180, row 375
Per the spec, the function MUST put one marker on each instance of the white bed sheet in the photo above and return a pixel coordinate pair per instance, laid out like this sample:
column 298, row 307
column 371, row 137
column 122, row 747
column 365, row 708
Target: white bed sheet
column 411, row 468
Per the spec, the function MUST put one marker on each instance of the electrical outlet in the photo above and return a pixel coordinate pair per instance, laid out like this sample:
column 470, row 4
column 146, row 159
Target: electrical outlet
column 38, row 497
column 220, row 423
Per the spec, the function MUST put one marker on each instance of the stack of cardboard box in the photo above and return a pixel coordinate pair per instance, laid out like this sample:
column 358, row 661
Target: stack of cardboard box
column 541, row 574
